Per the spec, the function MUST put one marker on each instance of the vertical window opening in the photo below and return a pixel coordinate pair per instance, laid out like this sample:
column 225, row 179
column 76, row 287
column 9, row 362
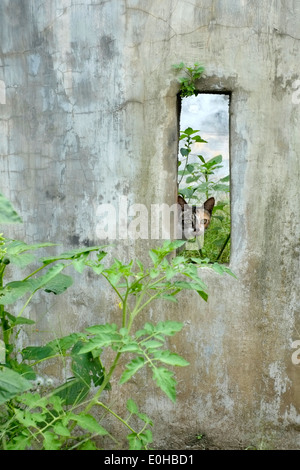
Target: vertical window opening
column 204, row 175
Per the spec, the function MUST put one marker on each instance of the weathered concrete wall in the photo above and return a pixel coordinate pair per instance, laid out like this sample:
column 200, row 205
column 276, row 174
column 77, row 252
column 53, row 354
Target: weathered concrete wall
column 88, row 113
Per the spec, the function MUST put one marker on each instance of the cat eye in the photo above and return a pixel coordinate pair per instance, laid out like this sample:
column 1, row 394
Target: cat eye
column 204, row 221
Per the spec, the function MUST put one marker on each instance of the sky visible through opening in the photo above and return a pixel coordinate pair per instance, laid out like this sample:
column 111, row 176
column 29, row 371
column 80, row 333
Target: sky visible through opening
column 210, row 114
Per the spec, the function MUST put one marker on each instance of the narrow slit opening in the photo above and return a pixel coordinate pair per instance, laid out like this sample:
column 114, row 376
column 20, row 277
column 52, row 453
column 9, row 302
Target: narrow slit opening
column 204, row 175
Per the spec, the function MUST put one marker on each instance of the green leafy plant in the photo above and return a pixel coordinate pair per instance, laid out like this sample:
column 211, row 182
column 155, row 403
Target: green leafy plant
column 197, row 182
column 63, row 417
column 197, row 179
column 188, row 81
column 8, row 214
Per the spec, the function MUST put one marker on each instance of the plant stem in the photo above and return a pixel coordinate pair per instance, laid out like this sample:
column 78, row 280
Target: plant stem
column 26, row 303
column 114, row 288
column 115, row 415
column 223, row 247
column 104, row 384
column 188, row 147
column 137, row 307
column 3, row 321
column 36, row 271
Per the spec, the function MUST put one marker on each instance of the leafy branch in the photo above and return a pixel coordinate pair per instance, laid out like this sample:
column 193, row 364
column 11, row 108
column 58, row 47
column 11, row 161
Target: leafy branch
column 60, row 417
column 188, row 81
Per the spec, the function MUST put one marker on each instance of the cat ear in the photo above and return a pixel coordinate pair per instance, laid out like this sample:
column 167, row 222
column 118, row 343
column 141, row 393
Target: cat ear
column 209, row 204
column 181, row 202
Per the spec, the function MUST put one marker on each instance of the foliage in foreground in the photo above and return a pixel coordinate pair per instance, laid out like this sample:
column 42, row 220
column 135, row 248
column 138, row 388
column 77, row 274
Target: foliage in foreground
column 36, row 415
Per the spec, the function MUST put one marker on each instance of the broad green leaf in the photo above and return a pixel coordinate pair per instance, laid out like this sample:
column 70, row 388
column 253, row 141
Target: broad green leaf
column 226, row 179
column 169, row 328
column 20, row 442
column 88, row 422
column 154, row 257
column 98, row 268
column 72, row 392
column 221, row 269
column 21, row 260
column 197, row 138
column 99, row 341
column 26, row 371
column 17, row 289
column 26, row 418
column 44, row 280
column 51, row 441
column 170, row 358
column 86, row 367
column 187, row 192
column 11, row 384
column 57, row 346
column 165, row 381
column 58, row 284
column 88, row 445
column 169, row 297
column 8, row 215
column 139, row 441
column 201, row 158
column 152, row 344
column 131, row 368
column 215, row 160
column 134, row 442
column 14, row 291
column 37, row 353
column 80, row 263
column 178, row 260
column 15, row 247
column 19, row 320
column 221, row 187
column 57, row 404
column 203, row 295
column 189, row 285
column 61, row 345
column 190, row 167
column 32, row 400
column 132, row 406
column 169, row 246
column 154, row 273
column 145, row 418
column 170, row 272
column 184, row 151
column 76, row 253
column 191, row 179
column 147, row 330
column 146, row 436
column 190, row 131
column 179, row 66
column 62, row 430
column 130, row 347
column 183, row 80
column 105, row 335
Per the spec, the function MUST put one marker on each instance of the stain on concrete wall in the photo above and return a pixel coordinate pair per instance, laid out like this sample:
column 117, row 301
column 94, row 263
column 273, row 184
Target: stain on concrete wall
column 90, row 113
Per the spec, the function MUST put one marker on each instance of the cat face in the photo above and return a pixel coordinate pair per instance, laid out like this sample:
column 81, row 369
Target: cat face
column 193, row 220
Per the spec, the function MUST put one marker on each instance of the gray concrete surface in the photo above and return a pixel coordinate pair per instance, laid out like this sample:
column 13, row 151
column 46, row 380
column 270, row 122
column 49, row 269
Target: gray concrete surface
column 88, row 113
